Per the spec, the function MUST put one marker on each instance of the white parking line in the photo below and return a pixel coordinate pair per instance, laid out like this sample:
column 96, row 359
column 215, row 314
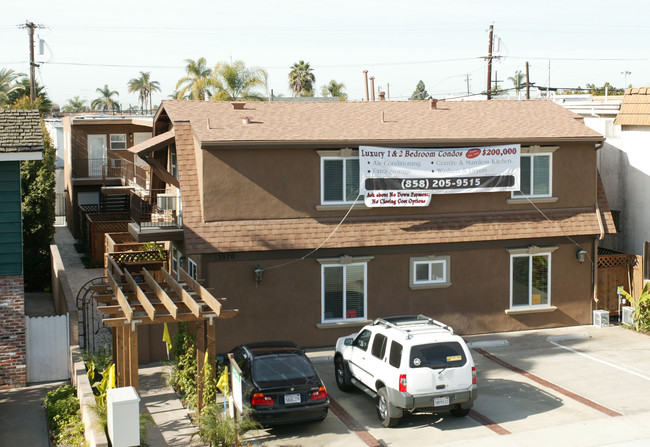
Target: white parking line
column 598, row 360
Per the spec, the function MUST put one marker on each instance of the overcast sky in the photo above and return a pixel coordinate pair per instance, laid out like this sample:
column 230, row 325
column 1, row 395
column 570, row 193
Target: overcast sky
column 91, row 43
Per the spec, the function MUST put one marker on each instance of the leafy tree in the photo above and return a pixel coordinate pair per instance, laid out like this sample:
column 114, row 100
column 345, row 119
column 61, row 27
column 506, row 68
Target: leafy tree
column 144, row 86
column 518, row 80
column 198, row 82
column 38, row 198
column 76, row 104
column 301, row 79
column 335, row 90
column 233, row 82
column 607, row 87
column 24, row 90
column 8, row 84
column 420, row 92
column 106, row 102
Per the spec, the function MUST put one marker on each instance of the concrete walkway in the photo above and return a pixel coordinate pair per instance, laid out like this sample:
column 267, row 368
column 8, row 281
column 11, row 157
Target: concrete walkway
column 22, row 416
column 173, row 424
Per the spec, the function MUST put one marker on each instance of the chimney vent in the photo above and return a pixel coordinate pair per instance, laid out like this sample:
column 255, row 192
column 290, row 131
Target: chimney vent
column 432, row 103
column 238, row 105
column 246, row 120
column 365, row 75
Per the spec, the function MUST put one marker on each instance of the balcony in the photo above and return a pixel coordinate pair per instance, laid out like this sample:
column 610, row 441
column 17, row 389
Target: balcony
column 110, row 171
column 154, row 217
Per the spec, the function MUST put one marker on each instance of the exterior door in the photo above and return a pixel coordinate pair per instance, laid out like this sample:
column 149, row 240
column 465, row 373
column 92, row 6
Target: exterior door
column 96, row 155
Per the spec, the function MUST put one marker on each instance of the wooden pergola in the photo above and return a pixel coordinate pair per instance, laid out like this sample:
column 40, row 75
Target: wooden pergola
column 136, row 296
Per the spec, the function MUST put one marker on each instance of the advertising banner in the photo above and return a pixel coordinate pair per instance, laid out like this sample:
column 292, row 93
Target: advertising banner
column 408, row 177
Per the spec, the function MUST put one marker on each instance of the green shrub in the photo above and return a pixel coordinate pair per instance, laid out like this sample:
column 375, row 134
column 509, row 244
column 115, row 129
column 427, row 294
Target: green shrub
column 216, row 428
column 64, row 416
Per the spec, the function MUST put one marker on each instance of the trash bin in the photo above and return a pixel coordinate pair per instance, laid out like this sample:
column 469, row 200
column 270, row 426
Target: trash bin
column 123, row 411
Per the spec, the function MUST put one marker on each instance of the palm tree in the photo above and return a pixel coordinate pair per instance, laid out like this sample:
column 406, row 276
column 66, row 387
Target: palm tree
column 8, row 84
column 143, row 86
column 198, row 83
column 105, row 101
column 517, row 80
column 301, row 79
column 335, row 90
column 23, row 88
column 234, row 82
column 75, row 104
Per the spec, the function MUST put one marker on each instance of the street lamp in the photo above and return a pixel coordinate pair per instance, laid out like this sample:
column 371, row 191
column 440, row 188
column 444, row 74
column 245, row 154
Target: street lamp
column 625, row 73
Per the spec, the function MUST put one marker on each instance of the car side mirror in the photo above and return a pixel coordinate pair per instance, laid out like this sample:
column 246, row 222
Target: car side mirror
column 348, row 341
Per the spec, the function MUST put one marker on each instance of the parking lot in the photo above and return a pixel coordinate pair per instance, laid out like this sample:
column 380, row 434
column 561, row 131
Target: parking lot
column 579, row 386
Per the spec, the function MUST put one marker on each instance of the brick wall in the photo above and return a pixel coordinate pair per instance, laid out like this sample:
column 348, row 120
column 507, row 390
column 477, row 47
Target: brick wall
column 13, row 371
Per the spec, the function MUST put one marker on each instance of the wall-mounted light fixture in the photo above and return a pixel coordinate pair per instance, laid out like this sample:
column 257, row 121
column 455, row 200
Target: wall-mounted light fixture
column 581, row 254
column 258, row 271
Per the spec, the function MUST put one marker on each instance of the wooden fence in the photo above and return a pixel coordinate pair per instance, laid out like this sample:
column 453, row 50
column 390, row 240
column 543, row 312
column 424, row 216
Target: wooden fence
column 614, row 270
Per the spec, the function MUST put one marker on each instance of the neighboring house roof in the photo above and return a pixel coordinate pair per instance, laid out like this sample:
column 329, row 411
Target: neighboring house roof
column 336, row 124
column 635, row 108
column 20, row 132
column 101, row 119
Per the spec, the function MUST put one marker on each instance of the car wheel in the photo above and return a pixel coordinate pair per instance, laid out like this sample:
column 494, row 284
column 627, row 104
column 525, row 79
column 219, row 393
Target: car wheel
column 460, row 412
column 385, row 409
column 342, row 374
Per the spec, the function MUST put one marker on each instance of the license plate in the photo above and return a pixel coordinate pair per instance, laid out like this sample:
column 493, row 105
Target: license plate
column 440, row 401
column 293, row 398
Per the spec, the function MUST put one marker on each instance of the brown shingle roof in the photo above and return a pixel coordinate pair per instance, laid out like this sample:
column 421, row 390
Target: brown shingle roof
column 379, row 122
column 20, row 131
column 307, row 234
column 635, row 108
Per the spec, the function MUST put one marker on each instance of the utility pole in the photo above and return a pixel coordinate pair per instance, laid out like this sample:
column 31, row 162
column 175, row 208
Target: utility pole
column 31, row 26
column 489, row 70
column 467, row 75
column 527, row 82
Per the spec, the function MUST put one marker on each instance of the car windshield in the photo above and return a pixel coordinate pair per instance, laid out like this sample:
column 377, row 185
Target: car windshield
column 438, row 355
column 281, row 367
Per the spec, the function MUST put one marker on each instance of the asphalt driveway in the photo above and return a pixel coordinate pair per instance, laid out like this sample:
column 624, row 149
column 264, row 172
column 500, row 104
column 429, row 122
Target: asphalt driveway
column 578, row 386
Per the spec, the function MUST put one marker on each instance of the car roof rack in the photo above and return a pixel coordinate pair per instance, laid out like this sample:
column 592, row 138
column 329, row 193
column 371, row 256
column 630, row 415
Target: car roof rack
column 411, row 324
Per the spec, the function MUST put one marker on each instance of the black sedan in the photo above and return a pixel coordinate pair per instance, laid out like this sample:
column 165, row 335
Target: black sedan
column 279, row 383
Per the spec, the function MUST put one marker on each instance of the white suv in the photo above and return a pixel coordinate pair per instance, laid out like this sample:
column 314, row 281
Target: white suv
column 408, row 363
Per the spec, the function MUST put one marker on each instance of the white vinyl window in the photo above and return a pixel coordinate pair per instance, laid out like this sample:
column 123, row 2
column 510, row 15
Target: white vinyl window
column 118, row 142
column 191, row 268
column 536, row 175
column 530, row 279
column 429, row 272
column 339, row 180
column 343, row 288
column 173, row 162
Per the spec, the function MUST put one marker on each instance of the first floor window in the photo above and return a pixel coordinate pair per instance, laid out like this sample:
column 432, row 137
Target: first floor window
column 530, row 280
column 191, row 268
column 429, row 271
column 343, row 289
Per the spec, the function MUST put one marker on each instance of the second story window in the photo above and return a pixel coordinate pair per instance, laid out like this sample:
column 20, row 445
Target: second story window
column 339, row 177
column 173, row 166
column 536, row 175
column 118, row 142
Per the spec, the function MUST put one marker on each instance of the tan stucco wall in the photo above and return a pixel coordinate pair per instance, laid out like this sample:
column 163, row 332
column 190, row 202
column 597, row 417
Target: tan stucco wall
column 242, row 184
column 287, row 303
